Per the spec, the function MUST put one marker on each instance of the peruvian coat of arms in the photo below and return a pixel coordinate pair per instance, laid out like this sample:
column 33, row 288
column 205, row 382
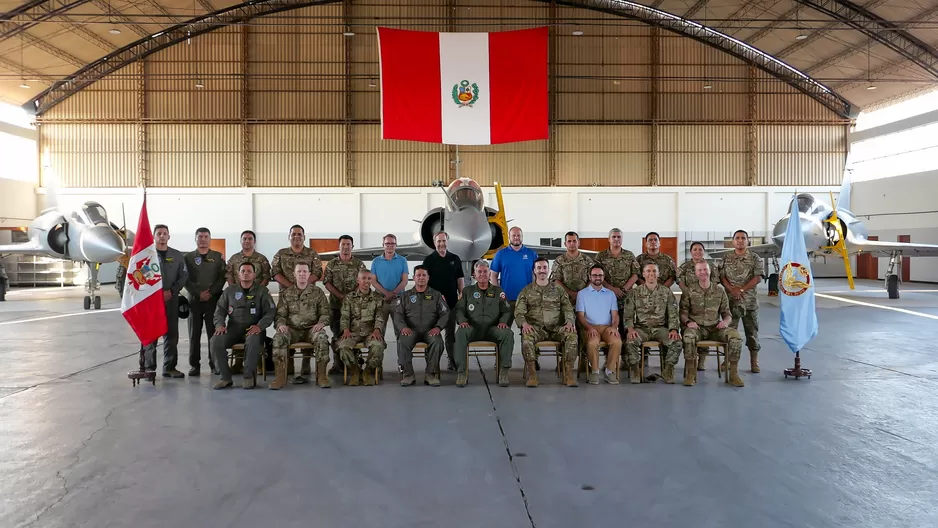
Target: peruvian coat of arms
column 465, row 94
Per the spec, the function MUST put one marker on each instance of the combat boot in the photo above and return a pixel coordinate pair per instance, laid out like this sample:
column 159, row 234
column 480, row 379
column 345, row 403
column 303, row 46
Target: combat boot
column 432, row 380
column 701, row 358
column 462, row 379
column 754, row 361
column 280, row 374
column 734, row 374
column 248, row 382
column 635, row 375
column 668, row 373
column 503, row 377
column 532, row 374
column 368, row 377
column 570, row 374
column 354, row 373
column 690, row 372
column 322, row 374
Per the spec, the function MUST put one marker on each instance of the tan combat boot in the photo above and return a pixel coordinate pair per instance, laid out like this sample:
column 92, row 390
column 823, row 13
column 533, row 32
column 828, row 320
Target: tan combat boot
column 570, row 374
column 754, row 361
column 635, row 375
column 701, row 358
column 668, row 373
column 322, row 374
column 462, row 379
column 532, row 374
column 734, row 374
column 280, row 373
column 354, row 375
column 690, row 372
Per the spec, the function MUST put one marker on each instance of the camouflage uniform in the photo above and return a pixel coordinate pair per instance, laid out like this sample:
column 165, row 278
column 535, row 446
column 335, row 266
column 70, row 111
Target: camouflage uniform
column 484, row 310
column 738, row 270
column 572, row 272
column 420, row 312
column 707, row 308
column 261, row 267
column 652, row 314
column 344, row 277
column 618, row 270
column 666, row 266
column 285, row 260
column 301, row 310
column 547, row 309
column 362, row 314
column 237, row 310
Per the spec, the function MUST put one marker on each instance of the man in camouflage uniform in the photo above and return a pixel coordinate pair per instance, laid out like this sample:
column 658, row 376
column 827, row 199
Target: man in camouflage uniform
column 651, row 314
column 284, row 260
column 705, row 314
column 340, row 278
column 741, row 274
column 421, row 313
column 204, row 285
column 620, row 266
column 302, row 316
column 247, row 254
column 544, row 313
column 362, row 320
column 482, row 313
column 686, row 275
column 243, row 312
column 571, row 270
column 666, row 267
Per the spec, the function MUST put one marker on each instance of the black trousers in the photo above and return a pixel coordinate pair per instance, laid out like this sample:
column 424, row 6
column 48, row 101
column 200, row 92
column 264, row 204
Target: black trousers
column 201, row 314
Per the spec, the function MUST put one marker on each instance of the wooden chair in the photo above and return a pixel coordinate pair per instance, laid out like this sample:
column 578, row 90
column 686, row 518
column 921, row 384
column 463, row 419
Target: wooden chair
column 720, row 348
column 603, row 349
column 647, row 347
column 483, row 349
column 548, row 348
column 362, row 347
column 233, row 354
column 420, row 350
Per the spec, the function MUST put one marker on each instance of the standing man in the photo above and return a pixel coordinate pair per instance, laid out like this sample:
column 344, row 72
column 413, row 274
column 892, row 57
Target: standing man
column 667, row 270
column 390, row 273
column 446, row 277
column 204, row 284
column 544, row 312
column 483, row 313
column 362, row 321
column 513, row 268
column 619, row 266
column 173, row 270
column 571, row 270
column 421, row 313
column 285, row 260
column 651, row 314
column 341, row 278
column 4, row 280
column 247, row 254
column 742, row 272
column 302, row 316
column 705, row 314
column 242, row 314
column 597, row 310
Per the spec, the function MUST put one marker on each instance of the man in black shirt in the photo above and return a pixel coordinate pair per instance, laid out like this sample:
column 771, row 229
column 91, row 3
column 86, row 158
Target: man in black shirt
column 446, row 277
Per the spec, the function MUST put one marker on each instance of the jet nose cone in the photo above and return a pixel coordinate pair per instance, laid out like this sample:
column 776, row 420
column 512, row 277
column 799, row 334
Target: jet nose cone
column 101, row 244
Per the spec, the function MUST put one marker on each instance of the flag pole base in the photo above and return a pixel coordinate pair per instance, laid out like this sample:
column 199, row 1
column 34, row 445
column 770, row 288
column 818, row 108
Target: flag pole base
column 142, row 374
column 798, row 371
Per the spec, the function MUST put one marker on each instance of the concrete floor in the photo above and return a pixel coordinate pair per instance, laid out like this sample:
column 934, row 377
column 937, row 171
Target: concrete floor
column 853, row 446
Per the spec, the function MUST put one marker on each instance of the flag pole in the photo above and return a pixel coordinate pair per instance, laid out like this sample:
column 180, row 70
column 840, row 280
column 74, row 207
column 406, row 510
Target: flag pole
column 798, row 371
column 138, row 376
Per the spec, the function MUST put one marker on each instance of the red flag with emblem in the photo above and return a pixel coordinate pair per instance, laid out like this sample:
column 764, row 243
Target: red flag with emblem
column 143, row 306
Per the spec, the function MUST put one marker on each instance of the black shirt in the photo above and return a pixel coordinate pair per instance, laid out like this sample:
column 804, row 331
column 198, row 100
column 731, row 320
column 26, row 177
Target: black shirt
column 444, row 271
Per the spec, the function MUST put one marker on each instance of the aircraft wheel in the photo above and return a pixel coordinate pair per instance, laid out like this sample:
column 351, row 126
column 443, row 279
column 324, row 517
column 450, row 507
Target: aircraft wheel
column 87, row 304
column 892, row 286
column 97, row 302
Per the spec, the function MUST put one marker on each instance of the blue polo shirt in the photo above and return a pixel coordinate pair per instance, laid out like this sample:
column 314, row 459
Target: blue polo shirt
column 597, row 305
column 516, row 269
column 388, row 272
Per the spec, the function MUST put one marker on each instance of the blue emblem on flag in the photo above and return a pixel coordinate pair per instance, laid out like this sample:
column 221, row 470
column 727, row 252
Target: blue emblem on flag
column 798, row 323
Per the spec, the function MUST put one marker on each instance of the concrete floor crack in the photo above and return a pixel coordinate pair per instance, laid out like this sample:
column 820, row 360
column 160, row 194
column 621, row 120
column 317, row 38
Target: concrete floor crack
column 511, row 458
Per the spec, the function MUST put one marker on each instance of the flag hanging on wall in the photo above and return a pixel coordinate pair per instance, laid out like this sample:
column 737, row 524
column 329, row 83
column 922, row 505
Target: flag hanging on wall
column 142, row 304
column 463, row 88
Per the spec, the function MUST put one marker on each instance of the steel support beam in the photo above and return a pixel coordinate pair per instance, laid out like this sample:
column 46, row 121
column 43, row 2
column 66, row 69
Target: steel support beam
column 816, row 35
column 694, row 9
column 51, row 50
column 27, row 73
column 759, row 35
column 247, row 143
column 349, row 168
column 653, row 102
column 32, row 14
column 552, row 52
column 104, row 6
column 752, row 174
column 143, row 143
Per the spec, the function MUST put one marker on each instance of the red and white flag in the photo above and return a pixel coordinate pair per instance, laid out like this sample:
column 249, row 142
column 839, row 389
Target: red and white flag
column 463, row 88
column 143, row 305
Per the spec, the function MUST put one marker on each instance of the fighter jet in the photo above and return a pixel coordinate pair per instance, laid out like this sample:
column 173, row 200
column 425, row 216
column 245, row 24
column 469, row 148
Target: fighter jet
column 81, row 235
column 834, row 229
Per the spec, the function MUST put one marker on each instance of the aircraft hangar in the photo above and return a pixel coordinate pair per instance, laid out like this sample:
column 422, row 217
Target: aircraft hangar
column 688, row 119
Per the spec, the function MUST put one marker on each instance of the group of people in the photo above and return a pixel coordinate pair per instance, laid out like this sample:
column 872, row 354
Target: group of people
column 581, row 302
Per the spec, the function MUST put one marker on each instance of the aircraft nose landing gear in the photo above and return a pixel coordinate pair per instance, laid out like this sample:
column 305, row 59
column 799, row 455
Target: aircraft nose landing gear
column 91, row 287
column 892, row 280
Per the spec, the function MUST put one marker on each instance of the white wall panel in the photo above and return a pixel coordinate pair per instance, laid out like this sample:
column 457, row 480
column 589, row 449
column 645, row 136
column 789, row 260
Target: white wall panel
column 321, row 215
column 18, row 203
column 707, row 211
column 383, row 213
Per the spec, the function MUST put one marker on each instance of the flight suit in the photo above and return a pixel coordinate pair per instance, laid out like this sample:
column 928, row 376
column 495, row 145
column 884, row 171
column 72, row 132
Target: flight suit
column 652, row 314
column 206, row 272
column 362, row 314
column 261, row 268
column 237, row 310
column 484, row 310
column 707, row 307
column 344, row 277
column 301, row 310
column 420, row 312
column 547, row 309
column 738, row 270
column 174, row 274
column 285, row 260
column 666, row 266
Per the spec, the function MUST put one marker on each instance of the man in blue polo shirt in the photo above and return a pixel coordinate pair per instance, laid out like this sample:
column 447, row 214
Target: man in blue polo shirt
column 390, row 271
column 513, row 268
column 597, row 310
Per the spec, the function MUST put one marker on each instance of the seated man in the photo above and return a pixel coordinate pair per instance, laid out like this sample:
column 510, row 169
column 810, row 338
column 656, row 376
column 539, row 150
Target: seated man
column 302, row 316
column 243, row 312
column 421, row 314
column 544, row 313
column 705, row 314
column 362, row 320
column 597, row 310
column 482, row 313
column 651, row 314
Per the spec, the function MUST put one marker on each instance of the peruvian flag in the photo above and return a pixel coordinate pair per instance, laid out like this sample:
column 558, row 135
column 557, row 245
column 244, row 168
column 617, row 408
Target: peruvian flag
column 143, row 305
column 463, row 88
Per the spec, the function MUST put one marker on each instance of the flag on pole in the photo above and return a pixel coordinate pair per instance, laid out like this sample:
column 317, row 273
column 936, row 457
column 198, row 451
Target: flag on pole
column 142, row 305
column 463, row 88
column 796, row 285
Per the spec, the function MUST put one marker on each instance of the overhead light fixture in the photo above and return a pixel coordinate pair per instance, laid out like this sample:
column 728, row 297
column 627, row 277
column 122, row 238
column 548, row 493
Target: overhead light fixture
column 24, row 85
column 114, row 31
column 199, row 85
column 617, row 83
column 707, row 86
column 371, row 84
column 349, row 33
column 577, row 33
column 871, row 87
column 801, row 36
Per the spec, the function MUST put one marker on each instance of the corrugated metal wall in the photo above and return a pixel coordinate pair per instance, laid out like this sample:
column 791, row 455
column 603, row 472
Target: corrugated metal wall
column 278, row 106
